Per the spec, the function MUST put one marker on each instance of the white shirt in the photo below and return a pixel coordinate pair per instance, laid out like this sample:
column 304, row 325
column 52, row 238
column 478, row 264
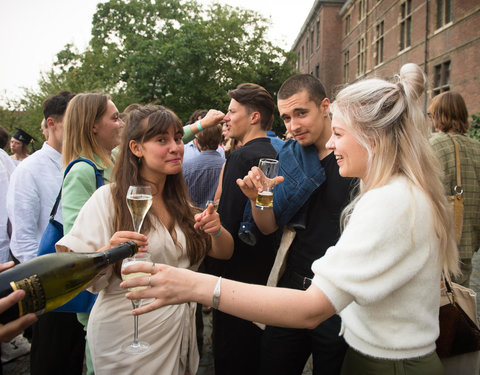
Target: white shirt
column 6, row 169
column 34, row 186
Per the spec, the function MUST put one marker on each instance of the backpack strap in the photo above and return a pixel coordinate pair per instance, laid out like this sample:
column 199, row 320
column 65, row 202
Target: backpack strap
column 98, row 176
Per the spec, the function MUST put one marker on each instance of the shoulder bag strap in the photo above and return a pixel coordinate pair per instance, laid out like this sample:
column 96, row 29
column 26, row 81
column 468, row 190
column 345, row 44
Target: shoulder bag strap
column 448, row 286
column 98, row 177
column 458, row 188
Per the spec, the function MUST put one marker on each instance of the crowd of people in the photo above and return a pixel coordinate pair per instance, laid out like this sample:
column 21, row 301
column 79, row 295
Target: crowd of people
column 359, row 232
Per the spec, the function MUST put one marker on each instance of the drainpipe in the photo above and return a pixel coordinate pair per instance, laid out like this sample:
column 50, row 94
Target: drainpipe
column 425, row 61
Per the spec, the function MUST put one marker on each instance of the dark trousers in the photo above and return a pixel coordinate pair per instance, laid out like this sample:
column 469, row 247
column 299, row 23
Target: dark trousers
column 236, row 345
column 58, row 345
column 286, row 351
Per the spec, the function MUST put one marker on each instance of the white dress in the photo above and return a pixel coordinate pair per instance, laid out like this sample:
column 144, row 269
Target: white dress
column 169, row 330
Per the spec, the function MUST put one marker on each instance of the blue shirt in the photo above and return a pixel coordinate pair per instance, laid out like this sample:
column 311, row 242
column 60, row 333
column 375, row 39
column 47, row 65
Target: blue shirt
column 191, row 150
column 201, row 174
column 276, row 142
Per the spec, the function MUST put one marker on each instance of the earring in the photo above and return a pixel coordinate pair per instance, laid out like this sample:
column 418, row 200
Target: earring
column 139, row 161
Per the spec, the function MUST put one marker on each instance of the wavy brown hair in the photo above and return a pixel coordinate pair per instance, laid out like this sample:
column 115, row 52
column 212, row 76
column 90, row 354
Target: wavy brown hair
column 449, row 112
column 143, row 124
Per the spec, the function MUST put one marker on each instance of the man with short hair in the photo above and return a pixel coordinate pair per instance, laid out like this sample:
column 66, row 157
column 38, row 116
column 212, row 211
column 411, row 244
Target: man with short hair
column 35, row 183
column 307, row 205
column 202, row 171
column 58, row 339
column 44, row 129
column 250, row 113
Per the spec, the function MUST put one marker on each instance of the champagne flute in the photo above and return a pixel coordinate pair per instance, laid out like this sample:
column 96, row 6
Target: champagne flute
column 139, row 201
column 136, row 347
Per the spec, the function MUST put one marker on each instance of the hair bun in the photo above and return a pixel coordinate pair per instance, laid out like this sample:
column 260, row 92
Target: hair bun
column 413, row 80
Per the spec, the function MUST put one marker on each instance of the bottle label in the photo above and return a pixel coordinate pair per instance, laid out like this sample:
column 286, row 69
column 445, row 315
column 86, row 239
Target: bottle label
column 34, row 300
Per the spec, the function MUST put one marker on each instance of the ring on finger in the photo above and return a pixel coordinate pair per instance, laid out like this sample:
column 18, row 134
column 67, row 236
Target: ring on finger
column 150, row 280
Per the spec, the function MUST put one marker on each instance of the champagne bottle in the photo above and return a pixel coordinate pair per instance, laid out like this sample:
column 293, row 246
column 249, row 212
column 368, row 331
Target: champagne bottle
column 51, row 280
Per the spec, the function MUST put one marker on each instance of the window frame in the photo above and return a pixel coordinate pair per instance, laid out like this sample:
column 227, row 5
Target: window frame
column 444, row 13
column 379, row 42
column 441, row 77
column 405, row 24
column 361, row 56
column 346, row 66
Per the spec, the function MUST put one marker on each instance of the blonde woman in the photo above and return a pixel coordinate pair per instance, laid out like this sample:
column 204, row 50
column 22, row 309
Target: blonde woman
column 383, row 275
column 92, row 129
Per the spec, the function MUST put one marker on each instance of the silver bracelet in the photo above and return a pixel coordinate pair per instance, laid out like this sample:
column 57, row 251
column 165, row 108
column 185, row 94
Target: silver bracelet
column 216, row 294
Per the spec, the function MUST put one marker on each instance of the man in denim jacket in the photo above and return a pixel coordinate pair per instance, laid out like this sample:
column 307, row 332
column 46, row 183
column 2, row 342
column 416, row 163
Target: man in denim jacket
column 307, row 206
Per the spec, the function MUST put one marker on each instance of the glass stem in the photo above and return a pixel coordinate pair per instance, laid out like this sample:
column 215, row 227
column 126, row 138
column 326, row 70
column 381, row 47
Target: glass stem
column 135, row 304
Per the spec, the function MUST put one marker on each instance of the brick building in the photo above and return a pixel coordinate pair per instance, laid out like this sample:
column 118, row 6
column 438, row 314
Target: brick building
column 343, row 41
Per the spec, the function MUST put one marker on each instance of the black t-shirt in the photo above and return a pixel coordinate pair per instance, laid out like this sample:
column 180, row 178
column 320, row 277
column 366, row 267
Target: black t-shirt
column 324, row 208
column 250, row 264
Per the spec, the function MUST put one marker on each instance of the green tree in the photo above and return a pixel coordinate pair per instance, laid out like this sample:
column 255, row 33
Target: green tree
column 474, row 130
column 177, row 53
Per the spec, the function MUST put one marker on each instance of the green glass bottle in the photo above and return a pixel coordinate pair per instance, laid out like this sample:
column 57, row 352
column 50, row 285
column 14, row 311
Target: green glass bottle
column 51, row 280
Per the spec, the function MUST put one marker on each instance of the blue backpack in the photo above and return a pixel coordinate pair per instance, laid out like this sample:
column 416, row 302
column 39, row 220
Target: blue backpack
column 82, row 302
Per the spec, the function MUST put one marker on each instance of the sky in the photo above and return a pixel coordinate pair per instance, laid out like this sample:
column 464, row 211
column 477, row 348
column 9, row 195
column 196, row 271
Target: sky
column 32, row 32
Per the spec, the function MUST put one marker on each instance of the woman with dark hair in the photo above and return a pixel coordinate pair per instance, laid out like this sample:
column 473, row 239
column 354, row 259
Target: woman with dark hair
column 450, row 118
column 150, row 154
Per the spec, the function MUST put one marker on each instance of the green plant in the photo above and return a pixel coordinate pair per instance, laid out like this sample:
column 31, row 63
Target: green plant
column 474, row 130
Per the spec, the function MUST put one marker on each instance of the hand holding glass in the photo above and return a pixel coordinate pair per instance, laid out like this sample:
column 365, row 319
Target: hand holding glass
column 136, row 347
column 269, row 168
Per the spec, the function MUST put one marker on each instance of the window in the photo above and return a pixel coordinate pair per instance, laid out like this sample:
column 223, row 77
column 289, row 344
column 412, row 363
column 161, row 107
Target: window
column 379, row 43
column 347, row 25
column 317, row 71
column 303, row 55
column 361, row 56
column 362, row 7
column 444, row 12
column 405, row 24
column 311, row 42
column 306, row 49
column 318, row 34
column 441, row 78
column 346, row 66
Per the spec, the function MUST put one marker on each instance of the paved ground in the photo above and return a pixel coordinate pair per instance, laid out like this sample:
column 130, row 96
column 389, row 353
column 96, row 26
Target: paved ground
column 21, row 366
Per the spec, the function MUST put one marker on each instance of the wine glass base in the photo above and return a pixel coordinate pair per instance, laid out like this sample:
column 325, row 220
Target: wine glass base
column 139, row 348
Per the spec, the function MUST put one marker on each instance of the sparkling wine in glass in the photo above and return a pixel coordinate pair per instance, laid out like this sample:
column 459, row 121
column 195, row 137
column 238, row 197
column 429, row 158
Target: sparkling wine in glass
column 139, row 201
column 136, row 347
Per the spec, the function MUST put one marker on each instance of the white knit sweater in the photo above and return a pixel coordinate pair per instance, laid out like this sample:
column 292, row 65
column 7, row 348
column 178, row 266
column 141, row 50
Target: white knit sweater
column 383, row 275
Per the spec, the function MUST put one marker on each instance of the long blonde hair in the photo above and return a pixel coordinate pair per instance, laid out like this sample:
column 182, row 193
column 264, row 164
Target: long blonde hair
column 79, row 141
column 387, row 119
